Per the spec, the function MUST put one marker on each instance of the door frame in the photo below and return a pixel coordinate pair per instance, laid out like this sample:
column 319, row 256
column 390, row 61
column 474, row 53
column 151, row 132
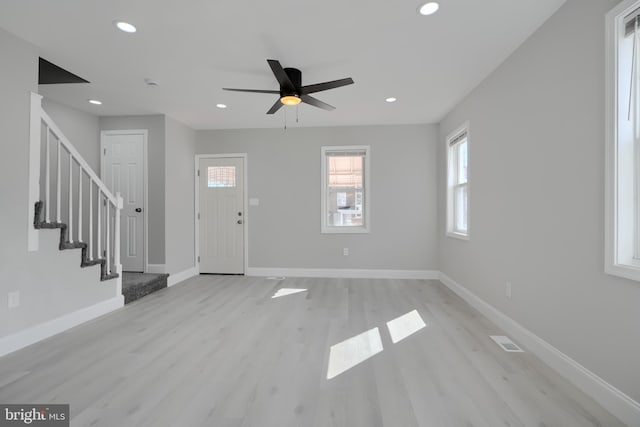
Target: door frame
column 145, row 184
column 245, row 205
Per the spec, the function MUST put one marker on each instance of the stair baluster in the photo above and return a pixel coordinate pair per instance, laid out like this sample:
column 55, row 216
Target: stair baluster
column 104, row 219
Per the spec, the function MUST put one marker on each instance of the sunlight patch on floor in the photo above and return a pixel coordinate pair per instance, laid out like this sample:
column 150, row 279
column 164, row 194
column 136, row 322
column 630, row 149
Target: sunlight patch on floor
column 405, row 325
column 287, row 291
column 352, row 351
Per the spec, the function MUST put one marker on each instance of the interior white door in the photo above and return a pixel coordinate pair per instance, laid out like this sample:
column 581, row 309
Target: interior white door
column 221, row 211
column 124, row 172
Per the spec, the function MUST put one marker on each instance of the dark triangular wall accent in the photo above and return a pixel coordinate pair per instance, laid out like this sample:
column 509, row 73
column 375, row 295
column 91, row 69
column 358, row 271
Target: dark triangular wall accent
column 49, row 74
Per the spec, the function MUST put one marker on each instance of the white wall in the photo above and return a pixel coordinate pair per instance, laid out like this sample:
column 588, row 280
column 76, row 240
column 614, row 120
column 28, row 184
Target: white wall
column 537, row 185
column 179, row 197
column 48, row 287
column 284, row 174
column 81, row 128
column 156, row 167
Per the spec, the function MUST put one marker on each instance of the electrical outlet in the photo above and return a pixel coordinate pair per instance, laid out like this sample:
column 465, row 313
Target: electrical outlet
column 507, row 290
column 14, row 299
column 345, row 251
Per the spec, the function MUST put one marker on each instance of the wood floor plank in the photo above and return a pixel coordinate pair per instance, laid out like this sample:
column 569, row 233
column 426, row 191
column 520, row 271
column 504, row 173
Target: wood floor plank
column 219, row 351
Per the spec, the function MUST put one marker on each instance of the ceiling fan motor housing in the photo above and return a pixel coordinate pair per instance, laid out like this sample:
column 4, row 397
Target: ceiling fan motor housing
column 295, row 76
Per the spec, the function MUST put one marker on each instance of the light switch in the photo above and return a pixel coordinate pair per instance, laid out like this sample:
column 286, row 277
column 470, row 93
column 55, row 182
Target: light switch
column 254, row 202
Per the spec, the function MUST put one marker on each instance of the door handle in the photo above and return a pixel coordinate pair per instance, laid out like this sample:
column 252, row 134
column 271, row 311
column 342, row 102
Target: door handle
column 239, row 221
column 138, row 210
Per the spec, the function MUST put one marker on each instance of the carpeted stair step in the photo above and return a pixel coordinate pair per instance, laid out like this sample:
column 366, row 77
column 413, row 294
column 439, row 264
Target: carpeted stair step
column 138, row 285
column 39, row 224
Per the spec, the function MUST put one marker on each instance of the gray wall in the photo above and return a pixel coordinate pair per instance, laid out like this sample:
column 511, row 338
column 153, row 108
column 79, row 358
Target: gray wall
column 49, row 281
column 284, row 173
column 82, row 129
column 179, row 189
column 537, row 197
column 156, row 168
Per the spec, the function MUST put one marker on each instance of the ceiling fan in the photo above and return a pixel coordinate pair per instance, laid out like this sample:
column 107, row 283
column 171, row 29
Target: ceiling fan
column 291, row 90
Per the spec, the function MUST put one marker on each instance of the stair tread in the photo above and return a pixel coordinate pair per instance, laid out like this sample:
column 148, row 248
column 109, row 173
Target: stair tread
column 65, row 244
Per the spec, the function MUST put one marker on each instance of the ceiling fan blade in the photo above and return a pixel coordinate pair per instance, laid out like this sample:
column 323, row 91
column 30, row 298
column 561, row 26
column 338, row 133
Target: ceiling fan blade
column 275, row 107
column 281, row 75
column 251, row 90
column 316, row 102
column 318, row 87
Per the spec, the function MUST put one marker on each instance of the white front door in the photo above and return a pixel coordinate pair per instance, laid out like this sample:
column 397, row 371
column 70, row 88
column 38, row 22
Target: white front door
column 123, row 171
column 221, row 194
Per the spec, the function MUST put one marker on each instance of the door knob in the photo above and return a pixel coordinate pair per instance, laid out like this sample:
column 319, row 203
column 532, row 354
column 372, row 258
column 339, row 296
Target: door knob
column 239, row 221
column 138, row 210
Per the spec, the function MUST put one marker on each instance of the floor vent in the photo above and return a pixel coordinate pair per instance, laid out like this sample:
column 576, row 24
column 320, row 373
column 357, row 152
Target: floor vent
column 279, row 278
column 506, row 344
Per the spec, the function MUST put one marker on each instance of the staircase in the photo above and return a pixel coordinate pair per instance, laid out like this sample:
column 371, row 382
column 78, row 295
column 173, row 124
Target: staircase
column 66, row 194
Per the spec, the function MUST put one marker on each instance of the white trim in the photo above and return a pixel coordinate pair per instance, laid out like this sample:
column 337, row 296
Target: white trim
column 35, row 123
column 155, row 268
column 50, row 328
column 344, row 273
column 614, row 400
column 611, row 263
column 177, row 278
column 466, row 128
column 145, row 178
column 366, row 227
column 245, row 202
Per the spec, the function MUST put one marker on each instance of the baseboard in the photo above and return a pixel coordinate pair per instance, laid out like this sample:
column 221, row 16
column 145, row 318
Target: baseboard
column 176, row 278
column 614, row 400
column 155, row 268
column 343, row 273
column 31, row 335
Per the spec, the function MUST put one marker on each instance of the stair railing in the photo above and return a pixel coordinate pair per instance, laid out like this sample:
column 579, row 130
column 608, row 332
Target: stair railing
column 91, row 212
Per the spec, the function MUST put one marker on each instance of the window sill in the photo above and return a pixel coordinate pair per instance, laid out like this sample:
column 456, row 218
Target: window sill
column 631, row 272
column 458, row 236
column 345, row 230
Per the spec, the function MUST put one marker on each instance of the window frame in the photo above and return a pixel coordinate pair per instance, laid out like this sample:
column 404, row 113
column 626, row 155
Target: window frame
column 614, row 264
column 366, row 210
column 452, row 182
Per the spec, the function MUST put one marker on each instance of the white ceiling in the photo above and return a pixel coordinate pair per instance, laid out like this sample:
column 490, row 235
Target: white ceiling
column 196, row 47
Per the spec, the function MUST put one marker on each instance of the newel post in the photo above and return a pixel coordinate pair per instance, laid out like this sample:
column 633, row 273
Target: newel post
column 35, row 121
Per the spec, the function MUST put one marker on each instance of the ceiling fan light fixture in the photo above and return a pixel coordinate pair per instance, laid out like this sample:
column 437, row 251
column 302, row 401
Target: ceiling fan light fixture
column 428, row 8
column 290, row 100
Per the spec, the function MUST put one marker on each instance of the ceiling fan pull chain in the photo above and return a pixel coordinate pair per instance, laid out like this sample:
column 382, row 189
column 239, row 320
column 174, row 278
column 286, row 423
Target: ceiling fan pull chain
column 285, row 119
column 297, row 110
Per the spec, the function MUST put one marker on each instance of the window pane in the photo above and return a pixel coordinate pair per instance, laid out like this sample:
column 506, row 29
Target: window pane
column 460, row 208
column 462, row 162
column 345, row 184
column 221, row 176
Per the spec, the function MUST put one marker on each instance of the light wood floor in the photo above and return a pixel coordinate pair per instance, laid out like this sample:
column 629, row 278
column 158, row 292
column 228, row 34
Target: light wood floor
column 219, row 351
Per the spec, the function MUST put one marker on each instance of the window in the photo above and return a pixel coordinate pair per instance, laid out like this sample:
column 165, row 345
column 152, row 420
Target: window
column 221, row 176
column 622, row 169
column 345, row 189
column 458, row 183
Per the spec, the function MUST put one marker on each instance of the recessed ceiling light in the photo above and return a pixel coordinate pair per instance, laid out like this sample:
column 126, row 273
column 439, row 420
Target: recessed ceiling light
column 221, row 105
column 392, row 99
column 95, row 102
column 429, row 8
column 125, row 26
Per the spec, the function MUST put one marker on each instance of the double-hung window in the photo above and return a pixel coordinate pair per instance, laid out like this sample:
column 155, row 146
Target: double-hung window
column 458, row 183
column 345, row 189
column 622, row 169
